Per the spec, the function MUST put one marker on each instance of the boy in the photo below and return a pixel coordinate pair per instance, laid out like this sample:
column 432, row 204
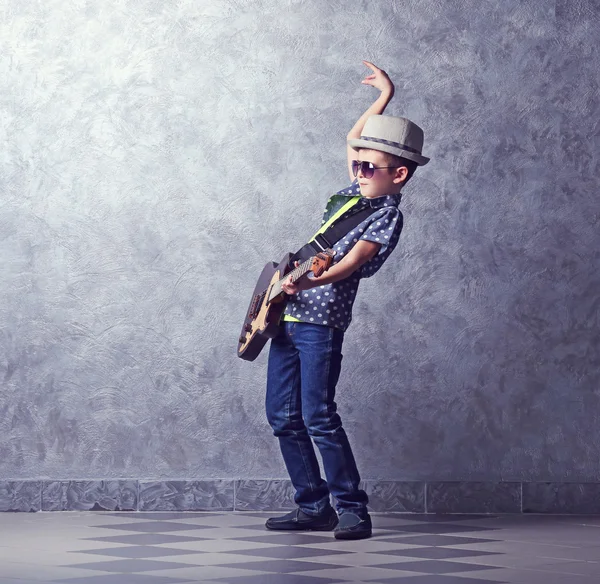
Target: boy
column 305, row 358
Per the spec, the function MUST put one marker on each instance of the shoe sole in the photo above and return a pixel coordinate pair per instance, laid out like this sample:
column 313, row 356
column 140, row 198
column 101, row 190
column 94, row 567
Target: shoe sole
column 329, row 527
column 352, row 535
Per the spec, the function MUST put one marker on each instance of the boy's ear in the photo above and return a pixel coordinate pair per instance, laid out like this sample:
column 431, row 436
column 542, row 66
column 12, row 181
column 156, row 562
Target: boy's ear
column 401, row 174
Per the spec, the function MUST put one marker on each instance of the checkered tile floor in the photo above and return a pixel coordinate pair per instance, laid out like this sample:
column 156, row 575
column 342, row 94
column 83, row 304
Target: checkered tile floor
column 218, row 548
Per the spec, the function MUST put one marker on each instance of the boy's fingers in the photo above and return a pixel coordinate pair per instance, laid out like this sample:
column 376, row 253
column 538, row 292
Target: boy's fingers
column 369, row 64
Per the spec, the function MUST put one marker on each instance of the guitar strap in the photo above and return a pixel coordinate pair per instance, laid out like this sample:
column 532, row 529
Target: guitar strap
column 332, row 231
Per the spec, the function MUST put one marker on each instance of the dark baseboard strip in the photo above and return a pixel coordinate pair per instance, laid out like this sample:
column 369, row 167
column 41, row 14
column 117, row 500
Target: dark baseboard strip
column 277, row 495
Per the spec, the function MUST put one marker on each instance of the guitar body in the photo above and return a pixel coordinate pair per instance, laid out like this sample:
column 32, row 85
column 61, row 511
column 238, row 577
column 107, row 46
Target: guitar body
column 262, row 317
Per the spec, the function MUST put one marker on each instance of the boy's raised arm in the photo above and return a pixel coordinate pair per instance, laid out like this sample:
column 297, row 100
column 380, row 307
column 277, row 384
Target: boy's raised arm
column 381, row 81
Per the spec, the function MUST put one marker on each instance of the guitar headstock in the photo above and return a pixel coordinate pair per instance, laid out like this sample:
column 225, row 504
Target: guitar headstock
column 321, row 262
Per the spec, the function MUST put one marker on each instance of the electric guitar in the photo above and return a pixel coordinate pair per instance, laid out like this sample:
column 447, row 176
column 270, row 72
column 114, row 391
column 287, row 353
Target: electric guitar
column 269, row 300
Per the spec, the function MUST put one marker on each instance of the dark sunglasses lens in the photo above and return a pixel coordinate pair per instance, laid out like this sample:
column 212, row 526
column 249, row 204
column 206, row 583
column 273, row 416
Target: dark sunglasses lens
column 367, row 169
column 364, row 168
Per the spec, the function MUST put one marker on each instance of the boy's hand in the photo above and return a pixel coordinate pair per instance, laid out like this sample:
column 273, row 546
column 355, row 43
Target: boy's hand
column 379, row 79
column 293, row 288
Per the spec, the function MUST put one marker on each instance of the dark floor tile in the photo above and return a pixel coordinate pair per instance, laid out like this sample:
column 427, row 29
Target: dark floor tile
column 138, row 551
column 124, row 579
column 439, row 579
column 530, row 576
column 437, row 540
column 445, row 518
column 434, row 567
column 388, row 535
column 280, row 579
column 579, row 568
column 154, row 526
column 287, row 538
column 439, row 528
column 438, row 553
column 281, row 566
column 128, row 566
column 256, row 527
column 383, row 522
column 253, row 513
column 146, row 538
column 288, row 552
column 161, row 515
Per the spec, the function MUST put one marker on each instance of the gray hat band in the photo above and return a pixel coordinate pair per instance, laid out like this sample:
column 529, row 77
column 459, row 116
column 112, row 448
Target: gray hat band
column 390, row 143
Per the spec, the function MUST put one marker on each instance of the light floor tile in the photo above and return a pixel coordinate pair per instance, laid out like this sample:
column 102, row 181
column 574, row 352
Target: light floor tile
column 219, row 545
column 43, row 572
column 368, row 573
column 202, row 573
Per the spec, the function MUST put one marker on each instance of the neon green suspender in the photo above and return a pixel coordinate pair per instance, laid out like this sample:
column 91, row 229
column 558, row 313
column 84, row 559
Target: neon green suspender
column 325, row 226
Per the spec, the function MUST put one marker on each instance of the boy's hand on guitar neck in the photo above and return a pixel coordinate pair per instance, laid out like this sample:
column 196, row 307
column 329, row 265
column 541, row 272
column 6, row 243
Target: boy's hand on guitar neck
column 361, row 253
column 300, row 285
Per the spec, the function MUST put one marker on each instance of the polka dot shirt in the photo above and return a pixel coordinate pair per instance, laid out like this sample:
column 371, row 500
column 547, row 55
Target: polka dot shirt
column 331, row 304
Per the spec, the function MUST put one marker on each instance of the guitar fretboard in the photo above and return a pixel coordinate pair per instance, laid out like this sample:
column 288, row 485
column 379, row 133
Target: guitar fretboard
column 296, row 274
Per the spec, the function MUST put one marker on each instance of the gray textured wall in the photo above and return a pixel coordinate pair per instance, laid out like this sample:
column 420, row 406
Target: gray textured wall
column 154, row 156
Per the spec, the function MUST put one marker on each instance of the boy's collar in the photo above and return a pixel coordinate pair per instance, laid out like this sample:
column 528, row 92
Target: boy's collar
column 383, row 201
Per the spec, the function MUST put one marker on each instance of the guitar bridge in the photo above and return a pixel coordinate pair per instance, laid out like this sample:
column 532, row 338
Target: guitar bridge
column 256, row 304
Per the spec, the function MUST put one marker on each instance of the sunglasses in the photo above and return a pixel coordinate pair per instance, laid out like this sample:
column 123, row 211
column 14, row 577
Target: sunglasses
column 367, row 168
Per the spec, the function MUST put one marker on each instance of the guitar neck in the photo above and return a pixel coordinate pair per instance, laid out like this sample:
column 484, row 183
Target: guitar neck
column 296, row 274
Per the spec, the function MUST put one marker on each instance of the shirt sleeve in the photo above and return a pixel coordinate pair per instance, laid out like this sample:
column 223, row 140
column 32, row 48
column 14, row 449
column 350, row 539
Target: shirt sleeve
column 383, row 228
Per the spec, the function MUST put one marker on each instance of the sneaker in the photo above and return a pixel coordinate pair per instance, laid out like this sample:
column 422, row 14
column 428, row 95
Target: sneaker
column 299, row 521
column 352, row 526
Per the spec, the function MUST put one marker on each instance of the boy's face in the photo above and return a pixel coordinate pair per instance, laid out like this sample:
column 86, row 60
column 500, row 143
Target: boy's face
column 385, row 181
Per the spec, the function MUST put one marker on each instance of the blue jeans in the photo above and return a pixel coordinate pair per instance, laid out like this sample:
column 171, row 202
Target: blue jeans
column 304, row 367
